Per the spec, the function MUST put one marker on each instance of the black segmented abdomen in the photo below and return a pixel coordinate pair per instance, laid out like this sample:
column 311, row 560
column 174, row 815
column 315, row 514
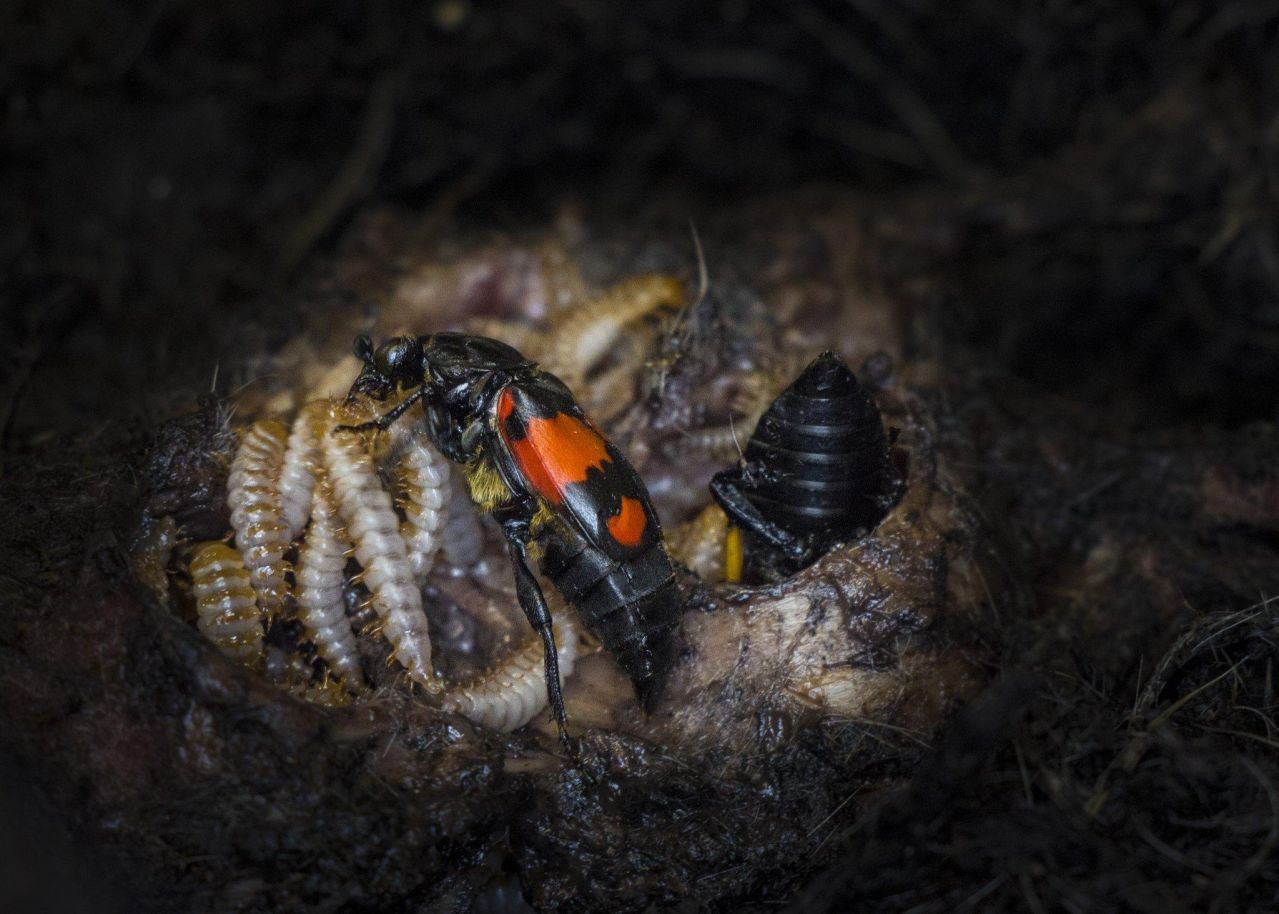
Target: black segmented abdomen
column 824, row 443
column 630, row 606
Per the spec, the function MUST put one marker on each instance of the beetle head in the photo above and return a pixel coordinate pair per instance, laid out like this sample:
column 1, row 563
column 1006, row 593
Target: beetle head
column 396, row 363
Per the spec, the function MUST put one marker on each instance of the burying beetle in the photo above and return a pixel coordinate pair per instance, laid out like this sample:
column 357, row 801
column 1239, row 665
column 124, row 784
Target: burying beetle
column 543, row 470
column 816, row 471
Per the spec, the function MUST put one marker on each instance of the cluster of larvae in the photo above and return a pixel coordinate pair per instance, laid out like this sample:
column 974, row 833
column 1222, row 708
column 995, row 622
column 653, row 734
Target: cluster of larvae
column 317, row 493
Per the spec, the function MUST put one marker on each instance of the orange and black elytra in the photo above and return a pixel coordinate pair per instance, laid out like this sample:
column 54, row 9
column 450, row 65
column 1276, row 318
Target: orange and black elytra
column 541, row 467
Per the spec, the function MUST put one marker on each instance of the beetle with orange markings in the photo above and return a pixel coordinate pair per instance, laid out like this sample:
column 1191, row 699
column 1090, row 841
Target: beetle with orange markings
column 550, row 478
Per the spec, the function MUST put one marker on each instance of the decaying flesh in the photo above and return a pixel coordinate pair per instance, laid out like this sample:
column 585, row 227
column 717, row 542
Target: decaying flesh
column 321, row 581
column 865, row 652
column 809, row 657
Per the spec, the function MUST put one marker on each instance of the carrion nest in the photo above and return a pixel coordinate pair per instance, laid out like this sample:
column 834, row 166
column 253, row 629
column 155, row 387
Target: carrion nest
column 1061, row 227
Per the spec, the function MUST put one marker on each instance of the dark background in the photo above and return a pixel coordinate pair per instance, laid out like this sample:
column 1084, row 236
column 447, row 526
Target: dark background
column 174, row 164
column 169, row 169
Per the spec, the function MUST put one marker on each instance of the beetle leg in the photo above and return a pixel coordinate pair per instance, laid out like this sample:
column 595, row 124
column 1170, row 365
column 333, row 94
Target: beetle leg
column 515, row 520
column 724, row 486
column 382, row 423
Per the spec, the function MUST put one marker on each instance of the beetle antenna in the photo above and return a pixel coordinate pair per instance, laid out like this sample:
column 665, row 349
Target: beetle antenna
column 363, row 349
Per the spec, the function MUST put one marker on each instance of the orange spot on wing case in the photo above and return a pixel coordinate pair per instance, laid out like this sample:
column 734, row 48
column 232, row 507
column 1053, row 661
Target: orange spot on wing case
column 627, row 525
column 554, row 452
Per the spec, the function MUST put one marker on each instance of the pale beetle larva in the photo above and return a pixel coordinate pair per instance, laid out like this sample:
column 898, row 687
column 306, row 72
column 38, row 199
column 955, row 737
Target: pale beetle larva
column 374, row 529
column 320, row 579
column 423, row 476
column 585, row 334
column 514, row 692
column 226, row 605
column 301, row 460
column 253, row 495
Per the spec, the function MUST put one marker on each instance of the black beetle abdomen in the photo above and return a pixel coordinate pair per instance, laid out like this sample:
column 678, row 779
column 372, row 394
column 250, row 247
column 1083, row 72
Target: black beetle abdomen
column 822, row 454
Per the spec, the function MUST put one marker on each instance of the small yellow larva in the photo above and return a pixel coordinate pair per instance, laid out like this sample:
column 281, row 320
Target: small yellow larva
column 301, row 461
column 424, row 486
column 253, row 494
column 513, row 692
column 699, row 543
column 320, row 579
column 226, row 606
column 374, row 529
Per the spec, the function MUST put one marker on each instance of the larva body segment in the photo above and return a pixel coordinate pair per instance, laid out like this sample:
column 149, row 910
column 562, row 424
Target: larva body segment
column 301, row 461
column 514, row 692
column 374, row 529
column 425, row 490
column 320, row 580
column 595, row 328
column 253, row 495
column 226, row 605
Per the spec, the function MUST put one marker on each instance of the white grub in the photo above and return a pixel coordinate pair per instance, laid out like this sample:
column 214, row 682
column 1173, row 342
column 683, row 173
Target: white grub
column 253, row 495
column 463, row 535
column 226, row 605
column 423, row 478
column 513, row 692
column 584, row 335
column 320, row 580
column 301, row 461
column 373, row 526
